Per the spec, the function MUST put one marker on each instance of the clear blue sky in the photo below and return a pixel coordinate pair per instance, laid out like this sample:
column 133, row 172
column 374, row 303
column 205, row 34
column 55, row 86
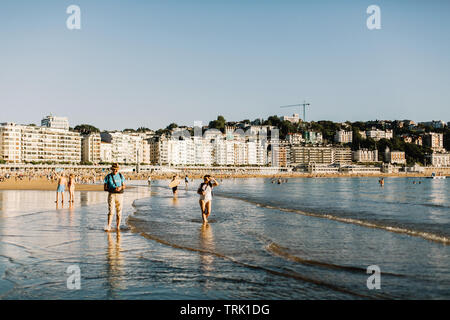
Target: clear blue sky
column 150, row 63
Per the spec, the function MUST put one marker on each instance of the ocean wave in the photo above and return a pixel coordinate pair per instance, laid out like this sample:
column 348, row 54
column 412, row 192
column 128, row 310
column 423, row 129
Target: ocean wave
column 139, row 226
column 364, row 223
column 282, row 252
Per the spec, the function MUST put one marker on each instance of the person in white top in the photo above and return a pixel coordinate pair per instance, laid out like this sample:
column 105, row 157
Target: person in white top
column 205, row 192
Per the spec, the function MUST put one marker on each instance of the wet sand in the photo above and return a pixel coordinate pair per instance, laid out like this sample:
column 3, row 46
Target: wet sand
column 41, row 240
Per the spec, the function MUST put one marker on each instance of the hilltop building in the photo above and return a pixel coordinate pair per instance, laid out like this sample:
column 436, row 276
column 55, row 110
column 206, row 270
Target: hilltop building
column 55, row 122
column 343, row 136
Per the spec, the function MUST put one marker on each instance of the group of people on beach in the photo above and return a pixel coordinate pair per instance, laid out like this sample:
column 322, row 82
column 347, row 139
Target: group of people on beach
column 64, row 183
column 114, row 184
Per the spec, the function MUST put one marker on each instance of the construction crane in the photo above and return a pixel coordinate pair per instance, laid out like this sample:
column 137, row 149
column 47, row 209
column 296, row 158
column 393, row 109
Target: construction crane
column 304, row 105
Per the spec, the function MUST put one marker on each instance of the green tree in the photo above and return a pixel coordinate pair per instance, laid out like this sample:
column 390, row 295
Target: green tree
column 86, row 129
column 273, row 121
column 447, row 138
column 218, row 124
column 172, row 126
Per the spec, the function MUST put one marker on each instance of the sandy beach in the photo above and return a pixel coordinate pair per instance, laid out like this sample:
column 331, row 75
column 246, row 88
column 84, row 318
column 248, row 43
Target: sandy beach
column 43, row 185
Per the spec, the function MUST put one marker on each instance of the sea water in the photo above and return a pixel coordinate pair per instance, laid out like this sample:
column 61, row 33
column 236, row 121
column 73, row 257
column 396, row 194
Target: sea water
column 309, row 238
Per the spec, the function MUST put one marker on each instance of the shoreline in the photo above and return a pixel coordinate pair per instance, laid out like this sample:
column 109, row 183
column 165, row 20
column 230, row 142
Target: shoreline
column 280, row 175
column 43, row 184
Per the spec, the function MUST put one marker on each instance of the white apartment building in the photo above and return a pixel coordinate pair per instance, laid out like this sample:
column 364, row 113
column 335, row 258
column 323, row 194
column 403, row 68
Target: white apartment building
column 209, row 150
column 365, row 155
column 145, row 156
column 106, row 152
column 377, row 134
column 342, row 156
column 90, row 148
column 294, row 119
column 10, row 143
column 21, row 144
column 435, row 141
column 125, row 147
column 55, row 122
column 203, row 151
column 440, row 159
column 343, row 136
column 295, row 138
column 224, row 152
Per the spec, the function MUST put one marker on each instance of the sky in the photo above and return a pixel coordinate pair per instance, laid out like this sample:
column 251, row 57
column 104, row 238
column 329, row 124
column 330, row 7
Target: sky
column 150, row 63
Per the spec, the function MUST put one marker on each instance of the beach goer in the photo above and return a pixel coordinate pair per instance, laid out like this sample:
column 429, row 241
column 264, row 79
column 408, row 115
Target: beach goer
column 186, row 181
column 381, row 181
column 71, row 186
column 62, row 182
column 114, row 183
column 175, row 187
column 205, row 192
column 149, row 180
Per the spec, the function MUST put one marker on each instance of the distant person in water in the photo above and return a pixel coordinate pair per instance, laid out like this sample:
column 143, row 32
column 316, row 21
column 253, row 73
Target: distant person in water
column 71, row 186
column 62, row 182
column 174, row 188
column 186, row 181
column 205, row 192
column 381, row 181
column 115, row 185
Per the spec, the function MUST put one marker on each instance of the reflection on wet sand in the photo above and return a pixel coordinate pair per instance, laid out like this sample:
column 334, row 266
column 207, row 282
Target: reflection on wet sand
column 114, row 265
column 32, row 201
column 207, row 245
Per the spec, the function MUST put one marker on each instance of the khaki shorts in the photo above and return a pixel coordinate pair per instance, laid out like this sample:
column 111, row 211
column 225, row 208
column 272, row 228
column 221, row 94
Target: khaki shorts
column 115, row 200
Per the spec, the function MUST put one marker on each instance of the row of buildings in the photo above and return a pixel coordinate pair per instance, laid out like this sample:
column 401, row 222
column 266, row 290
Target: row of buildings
column 54, row 142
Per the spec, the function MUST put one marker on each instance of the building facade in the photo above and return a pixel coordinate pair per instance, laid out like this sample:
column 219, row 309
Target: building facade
column 313, row 137
column 394, row 157
column 55, row 122
column 365, row 155
column 343, row 136
column 303, row 155
column 435, row 141
column 90, row 148
column 342, row 156
column 28, row 144
column 439, row 159
column 295, row 118
column 377, row 134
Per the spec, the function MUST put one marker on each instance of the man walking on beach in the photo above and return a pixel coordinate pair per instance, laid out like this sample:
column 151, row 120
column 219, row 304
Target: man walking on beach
column 205, row 192
column 115, row 185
